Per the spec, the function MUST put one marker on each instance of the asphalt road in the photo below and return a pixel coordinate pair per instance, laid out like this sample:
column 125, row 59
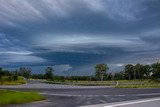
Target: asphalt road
column 73, row 96
column 152, row 102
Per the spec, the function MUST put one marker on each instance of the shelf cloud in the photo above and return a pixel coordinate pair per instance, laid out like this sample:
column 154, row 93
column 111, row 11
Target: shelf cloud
column 78, row 33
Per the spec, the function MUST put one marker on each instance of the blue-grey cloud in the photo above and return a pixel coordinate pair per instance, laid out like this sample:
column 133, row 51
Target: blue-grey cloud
column 78, row 34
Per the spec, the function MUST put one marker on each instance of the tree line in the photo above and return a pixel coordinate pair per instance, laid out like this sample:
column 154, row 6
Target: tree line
column 130, row 72
column 13, row 75
column 140, row 71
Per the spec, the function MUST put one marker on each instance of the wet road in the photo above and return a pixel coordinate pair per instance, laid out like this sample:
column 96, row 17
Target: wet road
column 151, row 102
column 73, row 96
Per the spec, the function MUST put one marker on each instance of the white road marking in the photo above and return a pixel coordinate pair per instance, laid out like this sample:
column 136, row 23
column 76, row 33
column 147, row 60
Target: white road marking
column 103, row 101
column 121, row 95
column 136, row 102
column 59, row 94
column 147, row 94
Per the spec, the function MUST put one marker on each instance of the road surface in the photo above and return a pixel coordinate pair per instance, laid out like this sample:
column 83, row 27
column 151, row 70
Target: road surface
column 152, row 102
column 73, row 96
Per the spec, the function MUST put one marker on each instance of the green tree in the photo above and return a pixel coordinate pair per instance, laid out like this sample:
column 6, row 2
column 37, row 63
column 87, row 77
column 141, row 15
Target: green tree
column 129, row 71
column 0, row 70
column 101, row 70
column 147, row 70
column 25, row 72
column 156, row 70
column 49, row 73
column 119, row 75
column 139, row 71
column 1, row 73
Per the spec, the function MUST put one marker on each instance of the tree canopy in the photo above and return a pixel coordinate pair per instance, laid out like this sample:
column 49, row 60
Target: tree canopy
column 101, row 70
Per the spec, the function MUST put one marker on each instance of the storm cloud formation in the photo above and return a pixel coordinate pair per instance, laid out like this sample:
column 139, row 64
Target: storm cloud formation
column 75, row 35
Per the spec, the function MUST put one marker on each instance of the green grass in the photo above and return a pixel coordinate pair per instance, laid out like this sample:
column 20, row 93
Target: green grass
column 81, row 83
column 138, row 86
column 5, row 81
column 11, row 97
column 146, row 84
column 121, row 83
column 102, row 82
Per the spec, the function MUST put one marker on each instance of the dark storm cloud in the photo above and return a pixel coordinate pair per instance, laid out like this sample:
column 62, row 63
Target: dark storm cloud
column 78, row 33
column 70, row 17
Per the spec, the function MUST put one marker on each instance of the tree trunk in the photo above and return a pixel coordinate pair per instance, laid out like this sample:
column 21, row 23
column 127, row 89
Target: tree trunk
column 134, row 75
column 129, row 77
column 101, row 77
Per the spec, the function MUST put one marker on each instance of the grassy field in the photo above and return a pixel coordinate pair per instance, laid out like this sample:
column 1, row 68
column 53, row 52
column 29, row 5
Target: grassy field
column 100, row 82
column 145, row 84
column 116, row 84
column 5, row 81
column 138, row 86
column 11, row 97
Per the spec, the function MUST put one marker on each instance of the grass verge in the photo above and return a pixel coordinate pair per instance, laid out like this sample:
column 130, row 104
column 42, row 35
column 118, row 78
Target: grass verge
column 5, row 81
column 12, row 97
column 146, row 84
column 138, row 86
column 121, row 83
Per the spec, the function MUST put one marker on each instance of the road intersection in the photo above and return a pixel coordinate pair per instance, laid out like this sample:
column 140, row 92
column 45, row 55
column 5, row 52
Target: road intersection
column 73, row 96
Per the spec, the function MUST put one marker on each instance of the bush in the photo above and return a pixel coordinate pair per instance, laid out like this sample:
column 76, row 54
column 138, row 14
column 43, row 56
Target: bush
column 15, row 77
column 12, row 80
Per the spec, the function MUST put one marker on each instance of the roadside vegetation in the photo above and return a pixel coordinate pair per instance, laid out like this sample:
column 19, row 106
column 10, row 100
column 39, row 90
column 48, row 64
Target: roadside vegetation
column 12, row 97
column 147, row 83
column 133, row 76
column 16, row 78
column 12, row 77
column 9, row 80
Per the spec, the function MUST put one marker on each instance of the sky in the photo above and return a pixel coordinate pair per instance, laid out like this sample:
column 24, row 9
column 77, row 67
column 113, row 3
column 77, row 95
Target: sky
column 75, row 35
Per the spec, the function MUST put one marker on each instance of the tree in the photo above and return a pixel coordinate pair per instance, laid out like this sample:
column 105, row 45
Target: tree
column 129, row 71
column 25, row 72
column 101, row 70
column 49, row 73
column 109, row 76
column 1, row 72
column 156, row 70
column 147, row 70
column 0, row 69
column 119, row 75
column 139, row 70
